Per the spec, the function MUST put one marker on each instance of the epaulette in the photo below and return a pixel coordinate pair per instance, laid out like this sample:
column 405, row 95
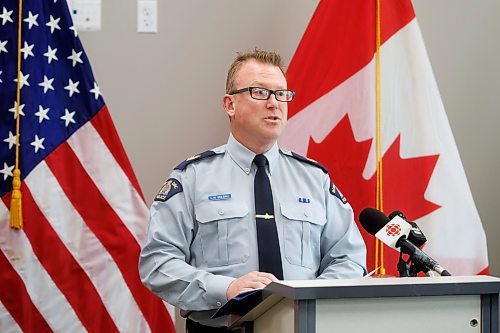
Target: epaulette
column 197, row 157
column 303, row 159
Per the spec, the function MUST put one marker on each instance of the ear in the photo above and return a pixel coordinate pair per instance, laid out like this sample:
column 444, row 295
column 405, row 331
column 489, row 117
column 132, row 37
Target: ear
column 228, row 103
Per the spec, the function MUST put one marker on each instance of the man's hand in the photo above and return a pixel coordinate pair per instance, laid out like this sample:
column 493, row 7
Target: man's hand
column 252, row 280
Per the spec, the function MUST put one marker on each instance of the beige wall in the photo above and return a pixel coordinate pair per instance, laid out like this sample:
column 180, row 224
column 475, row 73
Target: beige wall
column 164, row 90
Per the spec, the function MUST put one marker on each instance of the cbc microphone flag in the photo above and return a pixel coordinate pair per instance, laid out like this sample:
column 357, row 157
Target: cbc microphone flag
column 73, row 265
column 333, row 120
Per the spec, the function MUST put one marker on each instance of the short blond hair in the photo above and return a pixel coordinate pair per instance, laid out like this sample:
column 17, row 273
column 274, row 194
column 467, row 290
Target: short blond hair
column 265, row 57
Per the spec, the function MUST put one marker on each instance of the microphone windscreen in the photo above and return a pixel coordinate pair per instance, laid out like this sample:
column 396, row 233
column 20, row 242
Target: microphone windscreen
column 373, row 220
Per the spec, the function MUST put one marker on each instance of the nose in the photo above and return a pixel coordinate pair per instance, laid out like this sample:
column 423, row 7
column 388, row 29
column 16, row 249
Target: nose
column 272, row 102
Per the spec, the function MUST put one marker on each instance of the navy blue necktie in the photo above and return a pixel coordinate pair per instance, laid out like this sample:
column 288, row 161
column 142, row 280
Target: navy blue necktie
column 267, row 234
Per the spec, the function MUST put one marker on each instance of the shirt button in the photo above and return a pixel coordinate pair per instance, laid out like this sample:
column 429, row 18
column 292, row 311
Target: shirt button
column 219, row 303
column 247, row 170
column 220, row 211
column 305, row 214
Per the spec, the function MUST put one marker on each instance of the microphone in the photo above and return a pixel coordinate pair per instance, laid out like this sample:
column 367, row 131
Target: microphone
column 394, row 233
column 416, row 236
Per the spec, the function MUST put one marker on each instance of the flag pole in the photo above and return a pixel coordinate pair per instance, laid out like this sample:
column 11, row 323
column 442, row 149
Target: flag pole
column 16, row 213
column 379, row 247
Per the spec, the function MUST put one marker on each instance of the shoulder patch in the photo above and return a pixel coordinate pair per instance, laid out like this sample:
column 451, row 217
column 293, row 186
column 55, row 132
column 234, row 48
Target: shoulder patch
column 304, row 159
column 196, row 157
column 171, row 187
column 335, row 191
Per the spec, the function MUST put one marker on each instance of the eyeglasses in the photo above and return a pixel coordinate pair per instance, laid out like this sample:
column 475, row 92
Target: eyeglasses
column 282, row 95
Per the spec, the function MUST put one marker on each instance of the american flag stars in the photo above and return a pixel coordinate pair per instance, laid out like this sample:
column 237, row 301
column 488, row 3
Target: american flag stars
column 53, row 24
column 50, row 54
column 83, row 210
column 23, row 79
column 31, row 20
column 42, row 114
column 75, row 57
column 7, row 171
column 72, row 87
column 54, row 94
column 38, row 143
column 3, row 46
column 27, row 50
column 5, row 16
column 14, row 109
column 46, row 84
column 11, row 140
column 68, row 117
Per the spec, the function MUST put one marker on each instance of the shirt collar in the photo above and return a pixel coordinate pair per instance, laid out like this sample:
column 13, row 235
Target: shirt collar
column 243, row 156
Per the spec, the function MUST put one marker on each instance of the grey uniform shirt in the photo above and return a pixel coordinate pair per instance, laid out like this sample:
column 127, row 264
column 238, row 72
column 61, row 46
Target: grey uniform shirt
column 203, row 235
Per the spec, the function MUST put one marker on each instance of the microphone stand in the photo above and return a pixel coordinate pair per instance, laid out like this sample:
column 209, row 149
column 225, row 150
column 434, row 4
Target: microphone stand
column 420, row 262
column 403, row 267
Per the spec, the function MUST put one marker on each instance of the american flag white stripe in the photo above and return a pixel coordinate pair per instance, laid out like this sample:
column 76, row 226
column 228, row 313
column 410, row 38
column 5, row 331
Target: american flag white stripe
column 46, row 296
column 102, row 168
column 84, row 215
column 85, row 248
column 7, row 323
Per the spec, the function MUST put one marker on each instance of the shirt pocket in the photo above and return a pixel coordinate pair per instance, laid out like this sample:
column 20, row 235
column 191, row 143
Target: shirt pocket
column 303, row 224
column 223, row 229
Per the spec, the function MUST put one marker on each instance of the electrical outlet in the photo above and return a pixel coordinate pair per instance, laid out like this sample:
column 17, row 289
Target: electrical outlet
column 147, row 16
column 86, row 14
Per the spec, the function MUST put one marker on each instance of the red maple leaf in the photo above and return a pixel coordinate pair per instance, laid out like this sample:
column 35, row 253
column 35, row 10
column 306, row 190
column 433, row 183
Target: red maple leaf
column 404, row 181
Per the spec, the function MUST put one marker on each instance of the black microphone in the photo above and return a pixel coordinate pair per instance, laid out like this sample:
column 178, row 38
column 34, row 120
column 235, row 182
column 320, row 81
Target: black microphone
column 416, row 236
column 394, row 232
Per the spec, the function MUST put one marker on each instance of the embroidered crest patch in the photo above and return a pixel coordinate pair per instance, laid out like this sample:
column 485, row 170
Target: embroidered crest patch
column 171, row 187
column 335, row 191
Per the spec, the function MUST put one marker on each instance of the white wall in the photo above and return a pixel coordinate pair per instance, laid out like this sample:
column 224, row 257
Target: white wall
column 164, row 90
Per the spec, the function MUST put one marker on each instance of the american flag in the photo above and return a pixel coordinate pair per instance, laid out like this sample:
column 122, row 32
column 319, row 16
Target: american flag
column 73, row 267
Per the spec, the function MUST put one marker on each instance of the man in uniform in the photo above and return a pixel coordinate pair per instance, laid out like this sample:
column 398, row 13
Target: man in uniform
column 247, row 213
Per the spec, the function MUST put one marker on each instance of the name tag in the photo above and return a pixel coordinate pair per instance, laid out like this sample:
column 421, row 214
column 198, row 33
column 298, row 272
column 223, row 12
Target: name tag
column 219, row 197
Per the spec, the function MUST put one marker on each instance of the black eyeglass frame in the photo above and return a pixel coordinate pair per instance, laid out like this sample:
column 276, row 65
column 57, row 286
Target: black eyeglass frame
column 271, row 92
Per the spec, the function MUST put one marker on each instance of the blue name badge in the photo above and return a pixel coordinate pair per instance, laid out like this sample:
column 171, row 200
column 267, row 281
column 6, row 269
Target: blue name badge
column 219, row 197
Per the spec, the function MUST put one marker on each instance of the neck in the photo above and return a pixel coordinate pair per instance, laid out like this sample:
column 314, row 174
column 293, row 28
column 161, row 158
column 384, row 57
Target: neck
column 254, row 146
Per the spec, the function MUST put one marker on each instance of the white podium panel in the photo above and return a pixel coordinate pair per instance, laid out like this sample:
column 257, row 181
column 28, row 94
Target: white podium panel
column 399, row 305
column 400, row 314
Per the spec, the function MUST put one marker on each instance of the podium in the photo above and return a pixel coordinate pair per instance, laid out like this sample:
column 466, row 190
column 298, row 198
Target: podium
column 423, row 304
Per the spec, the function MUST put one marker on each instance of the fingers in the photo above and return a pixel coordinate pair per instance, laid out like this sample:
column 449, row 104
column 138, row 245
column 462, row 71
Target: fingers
column 261, row 275
column 245, row 290
column 249, row 281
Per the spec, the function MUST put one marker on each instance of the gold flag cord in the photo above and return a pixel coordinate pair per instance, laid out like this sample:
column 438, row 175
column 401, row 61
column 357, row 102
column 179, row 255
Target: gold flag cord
column 16, row 213
column 379, row 198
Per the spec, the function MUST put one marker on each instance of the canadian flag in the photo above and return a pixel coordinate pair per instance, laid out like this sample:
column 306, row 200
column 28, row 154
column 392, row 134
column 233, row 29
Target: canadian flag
column 333, row 120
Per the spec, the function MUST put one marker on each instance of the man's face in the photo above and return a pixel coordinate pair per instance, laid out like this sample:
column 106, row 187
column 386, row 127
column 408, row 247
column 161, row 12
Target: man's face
column 257, row 124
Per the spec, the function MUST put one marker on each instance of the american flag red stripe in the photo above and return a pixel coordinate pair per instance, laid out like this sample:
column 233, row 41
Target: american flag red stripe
column 35, row 297
column 75, row 181
column 70, row 277
column 103, row 123
column 17, row 302
column 105, row 273
column 65, row 169
column 75, row 263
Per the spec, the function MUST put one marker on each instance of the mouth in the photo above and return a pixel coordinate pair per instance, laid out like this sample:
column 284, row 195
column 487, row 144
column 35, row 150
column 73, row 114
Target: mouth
column 272, row 118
